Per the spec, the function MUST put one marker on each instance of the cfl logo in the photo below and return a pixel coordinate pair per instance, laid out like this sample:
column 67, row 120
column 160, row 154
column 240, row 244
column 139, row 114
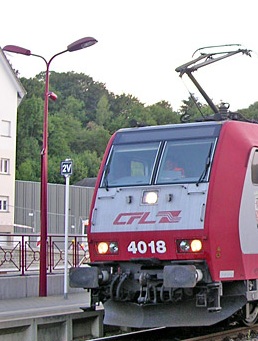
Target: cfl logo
column 162, row 217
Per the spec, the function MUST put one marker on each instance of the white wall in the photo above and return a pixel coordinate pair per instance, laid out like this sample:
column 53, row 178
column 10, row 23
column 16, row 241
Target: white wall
column 9, row 86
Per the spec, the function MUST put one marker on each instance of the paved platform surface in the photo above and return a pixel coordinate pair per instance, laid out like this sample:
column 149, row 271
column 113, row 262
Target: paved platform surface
column 42, row 306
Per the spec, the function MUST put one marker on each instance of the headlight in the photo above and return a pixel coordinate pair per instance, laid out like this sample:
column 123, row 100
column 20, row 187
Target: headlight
column 113, row 247
column 150, row 197
column 196, row 245
column 107, row 248
column 184, row 245
column 102, row 248
column 189, row 245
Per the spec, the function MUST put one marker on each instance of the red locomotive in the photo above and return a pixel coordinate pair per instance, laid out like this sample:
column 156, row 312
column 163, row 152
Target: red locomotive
column 173, row 229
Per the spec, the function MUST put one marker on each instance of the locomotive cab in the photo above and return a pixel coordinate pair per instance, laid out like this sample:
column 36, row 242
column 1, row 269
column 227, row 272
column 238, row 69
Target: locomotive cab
column 166, row 234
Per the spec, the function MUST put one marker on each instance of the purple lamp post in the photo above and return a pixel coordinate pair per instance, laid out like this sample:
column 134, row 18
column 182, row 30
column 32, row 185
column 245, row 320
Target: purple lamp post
column 77, row 45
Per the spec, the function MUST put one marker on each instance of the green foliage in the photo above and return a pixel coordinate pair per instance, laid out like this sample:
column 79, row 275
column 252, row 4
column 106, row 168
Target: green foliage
column 251, row 113
column 29, row 137
column 163, row 113
column 29, row 170
column 92, row 138
column 194, row 109
column 103, row 114
column 86, row 165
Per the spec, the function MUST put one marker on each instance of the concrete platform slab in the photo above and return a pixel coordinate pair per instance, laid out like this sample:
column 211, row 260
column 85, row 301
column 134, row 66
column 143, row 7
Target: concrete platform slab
column 49, row 318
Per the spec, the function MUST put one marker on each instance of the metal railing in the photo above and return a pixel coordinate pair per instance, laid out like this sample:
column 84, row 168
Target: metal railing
column 20, row 253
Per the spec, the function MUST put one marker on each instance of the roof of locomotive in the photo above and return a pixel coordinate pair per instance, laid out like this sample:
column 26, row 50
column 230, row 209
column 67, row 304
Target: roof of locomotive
column 169, row 131
column 172, row 126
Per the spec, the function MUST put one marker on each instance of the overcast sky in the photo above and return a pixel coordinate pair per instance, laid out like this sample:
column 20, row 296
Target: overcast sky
column 140, row 43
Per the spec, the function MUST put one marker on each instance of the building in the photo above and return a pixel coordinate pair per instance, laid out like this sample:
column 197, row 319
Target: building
column 11, row 95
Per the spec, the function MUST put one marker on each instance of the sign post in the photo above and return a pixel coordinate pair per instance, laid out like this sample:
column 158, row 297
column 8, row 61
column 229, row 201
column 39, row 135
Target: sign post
column 66, row 170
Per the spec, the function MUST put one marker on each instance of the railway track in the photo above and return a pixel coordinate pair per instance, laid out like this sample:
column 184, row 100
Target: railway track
column 175, row 334
column 135, row 335
column 242, row 333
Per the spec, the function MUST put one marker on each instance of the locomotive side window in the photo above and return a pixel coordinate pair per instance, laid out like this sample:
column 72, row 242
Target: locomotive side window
column 130, row 164
column 254, row 168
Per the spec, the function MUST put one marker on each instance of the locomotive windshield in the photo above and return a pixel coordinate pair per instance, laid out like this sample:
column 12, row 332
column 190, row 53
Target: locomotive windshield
column 131, row 164
column 185, row 161
column 161, row 162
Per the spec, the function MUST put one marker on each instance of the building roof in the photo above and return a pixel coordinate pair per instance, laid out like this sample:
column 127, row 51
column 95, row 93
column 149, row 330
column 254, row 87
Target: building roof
column 21, row 92
column 86, row 182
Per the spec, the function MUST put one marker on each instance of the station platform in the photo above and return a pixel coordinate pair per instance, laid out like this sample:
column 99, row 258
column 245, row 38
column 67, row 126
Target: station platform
column 54, row 318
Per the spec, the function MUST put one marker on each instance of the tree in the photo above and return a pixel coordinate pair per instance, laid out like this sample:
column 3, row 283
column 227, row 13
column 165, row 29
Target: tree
column 251, row 112
column 193, row 109
column 86, row 165
column 94, row 138
column 163, row 114
column 103, row 114
column 29, row 170
column 29, row 130
column 80, row 87
column 59, row 135
column 73, row 107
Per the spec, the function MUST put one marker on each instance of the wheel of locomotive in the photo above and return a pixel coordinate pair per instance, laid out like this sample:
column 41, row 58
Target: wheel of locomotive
column 253, row 314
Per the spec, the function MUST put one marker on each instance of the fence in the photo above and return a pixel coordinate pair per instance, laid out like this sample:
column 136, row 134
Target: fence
column 20, row 253
column 27, row 207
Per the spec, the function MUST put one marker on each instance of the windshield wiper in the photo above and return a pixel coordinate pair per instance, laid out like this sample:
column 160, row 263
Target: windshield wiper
column 207, row 165
column 105, row 180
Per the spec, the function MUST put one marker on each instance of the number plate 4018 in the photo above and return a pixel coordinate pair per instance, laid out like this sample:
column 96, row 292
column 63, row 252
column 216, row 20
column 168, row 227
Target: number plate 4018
column 142, row 247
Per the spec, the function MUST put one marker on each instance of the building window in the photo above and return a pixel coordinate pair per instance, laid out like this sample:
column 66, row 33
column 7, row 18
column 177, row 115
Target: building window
column 3, row 204
column 4, row 166
column 5, row 128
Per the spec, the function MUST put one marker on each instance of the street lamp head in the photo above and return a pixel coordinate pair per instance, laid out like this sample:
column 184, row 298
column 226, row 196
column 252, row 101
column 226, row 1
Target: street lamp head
column 81, row 44
column 77, row 45
column 17, row 49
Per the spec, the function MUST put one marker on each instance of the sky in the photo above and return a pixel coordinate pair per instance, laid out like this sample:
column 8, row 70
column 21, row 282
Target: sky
column 140, row 44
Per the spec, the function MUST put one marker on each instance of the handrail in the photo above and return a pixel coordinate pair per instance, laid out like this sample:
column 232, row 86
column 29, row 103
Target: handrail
column 20, row 253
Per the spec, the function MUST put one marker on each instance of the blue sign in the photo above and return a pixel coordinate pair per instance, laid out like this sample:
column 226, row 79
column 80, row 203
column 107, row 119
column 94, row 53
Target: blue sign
column 66, row 167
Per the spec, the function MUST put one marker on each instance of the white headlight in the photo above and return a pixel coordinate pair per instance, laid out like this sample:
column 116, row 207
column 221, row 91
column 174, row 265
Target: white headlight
column 196, row 245
column 184, row 245
column 150, row 197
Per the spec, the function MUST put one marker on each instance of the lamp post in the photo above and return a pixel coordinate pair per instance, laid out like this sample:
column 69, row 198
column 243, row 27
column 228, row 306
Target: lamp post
column 77, row 45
